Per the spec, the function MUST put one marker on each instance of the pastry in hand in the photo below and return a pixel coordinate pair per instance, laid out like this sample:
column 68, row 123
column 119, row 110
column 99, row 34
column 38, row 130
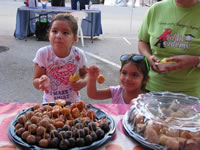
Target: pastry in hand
column 74, row 78
column 100, row 79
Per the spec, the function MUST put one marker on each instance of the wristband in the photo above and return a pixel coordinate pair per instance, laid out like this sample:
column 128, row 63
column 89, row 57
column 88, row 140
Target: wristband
column 198, row 65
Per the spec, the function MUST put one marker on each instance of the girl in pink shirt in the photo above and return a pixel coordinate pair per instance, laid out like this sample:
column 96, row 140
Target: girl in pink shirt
column 133, row 77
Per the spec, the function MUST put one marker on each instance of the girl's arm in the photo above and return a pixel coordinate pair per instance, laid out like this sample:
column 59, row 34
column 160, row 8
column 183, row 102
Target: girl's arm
column 144, row 49
column 38, row 72
column 92, row 91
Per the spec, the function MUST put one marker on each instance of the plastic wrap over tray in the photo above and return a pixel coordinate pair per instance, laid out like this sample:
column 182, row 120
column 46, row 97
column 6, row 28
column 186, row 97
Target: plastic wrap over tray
column 161, row 120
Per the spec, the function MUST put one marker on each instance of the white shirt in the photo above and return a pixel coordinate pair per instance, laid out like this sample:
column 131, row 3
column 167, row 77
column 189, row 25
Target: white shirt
column 59, row 70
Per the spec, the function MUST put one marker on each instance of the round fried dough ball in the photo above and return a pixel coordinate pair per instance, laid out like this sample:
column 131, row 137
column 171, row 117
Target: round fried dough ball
column 60, row 102
column 29, row 114
column 40, row 130
column 66, row 110
column 38, row 114
column 35, row 119
column 91, row 114
column 81, row 105
column 24, row 135
column 47, row 108
column 36, row 107
column 59, row 124
column 31, row 139
column 75, row 112
column 20, row 131
column 18, row 125
column 21, row 119
column 43, row 143
column 32, row 128
column 44, row 122
column 28, row 123
column 73, row 105
column 56, row 112
column 50, row 127
column 185, row 134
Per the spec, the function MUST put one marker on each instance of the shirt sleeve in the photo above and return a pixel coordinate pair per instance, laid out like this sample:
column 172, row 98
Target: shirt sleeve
column 116, row 92
column 40, row 58
column 143, row 32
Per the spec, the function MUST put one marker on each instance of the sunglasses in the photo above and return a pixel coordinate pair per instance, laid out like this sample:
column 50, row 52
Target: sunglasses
column 136, row 59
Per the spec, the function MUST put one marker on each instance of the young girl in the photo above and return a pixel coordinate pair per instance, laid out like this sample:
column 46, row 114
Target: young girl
column 133, row 77
column 54, row 64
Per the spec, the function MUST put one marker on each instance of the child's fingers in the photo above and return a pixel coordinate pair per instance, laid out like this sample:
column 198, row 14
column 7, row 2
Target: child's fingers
column 41, row 81
column 42, row 88
column 87, row 69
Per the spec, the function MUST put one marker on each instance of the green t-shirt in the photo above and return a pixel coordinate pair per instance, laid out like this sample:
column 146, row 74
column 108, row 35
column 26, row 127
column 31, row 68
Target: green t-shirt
column 171, row 31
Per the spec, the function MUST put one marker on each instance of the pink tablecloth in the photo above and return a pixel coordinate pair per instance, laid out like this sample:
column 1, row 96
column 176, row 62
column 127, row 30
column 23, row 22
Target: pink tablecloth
column 120, row 141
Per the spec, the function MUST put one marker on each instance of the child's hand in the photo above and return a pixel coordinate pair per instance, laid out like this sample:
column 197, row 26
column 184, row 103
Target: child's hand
column 93, row 72
column 44, row 83
column 77, row 85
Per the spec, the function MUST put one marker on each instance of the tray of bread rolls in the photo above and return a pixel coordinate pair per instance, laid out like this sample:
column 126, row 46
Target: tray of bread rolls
column 164, row 120
column 61, row 125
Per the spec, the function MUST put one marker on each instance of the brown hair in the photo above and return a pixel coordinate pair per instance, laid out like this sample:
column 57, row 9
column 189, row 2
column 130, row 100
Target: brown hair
column 69, row 19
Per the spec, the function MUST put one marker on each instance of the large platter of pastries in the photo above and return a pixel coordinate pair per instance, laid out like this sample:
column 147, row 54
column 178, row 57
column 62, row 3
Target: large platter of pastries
column 61, row 125
column 164, row 120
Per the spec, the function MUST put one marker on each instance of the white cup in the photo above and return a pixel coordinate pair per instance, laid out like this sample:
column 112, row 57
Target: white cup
column 86, row 7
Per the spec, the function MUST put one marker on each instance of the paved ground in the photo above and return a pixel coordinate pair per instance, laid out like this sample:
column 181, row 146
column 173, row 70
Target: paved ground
column 16, row 67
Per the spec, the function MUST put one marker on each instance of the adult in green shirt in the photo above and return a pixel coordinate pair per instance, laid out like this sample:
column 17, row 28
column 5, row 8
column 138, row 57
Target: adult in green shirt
column 171, row 29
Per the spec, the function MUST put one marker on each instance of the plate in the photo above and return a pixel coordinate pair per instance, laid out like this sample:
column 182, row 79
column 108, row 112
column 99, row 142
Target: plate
column 172, row 111
column 100, row 115
column 129, row 129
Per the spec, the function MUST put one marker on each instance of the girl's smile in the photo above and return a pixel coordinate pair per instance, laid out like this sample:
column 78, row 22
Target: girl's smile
column 131, row 78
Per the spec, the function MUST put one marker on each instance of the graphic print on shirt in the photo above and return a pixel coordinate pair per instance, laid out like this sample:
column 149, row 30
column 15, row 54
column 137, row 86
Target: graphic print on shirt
column 62, row 73
column 59, row 71
column 174, row 40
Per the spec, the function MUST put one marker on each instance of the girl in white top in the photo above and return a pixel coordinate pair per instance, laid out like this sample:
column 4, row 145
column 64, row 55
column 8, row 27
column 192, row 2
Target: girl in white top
column 133, row 77
column 54, row 64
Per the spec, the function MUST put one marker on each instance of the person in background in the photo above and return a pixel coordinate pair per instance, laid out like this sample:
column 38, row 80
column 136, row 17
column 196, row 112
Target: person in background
column 81, row 2
column 53, row 64
column 134, row 2
column 133, row 78
column 171, row 30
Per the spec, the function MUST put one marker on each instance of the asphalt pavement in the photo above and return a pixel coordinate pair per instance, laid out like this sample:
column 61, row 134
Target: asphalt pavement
column 119, row 24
